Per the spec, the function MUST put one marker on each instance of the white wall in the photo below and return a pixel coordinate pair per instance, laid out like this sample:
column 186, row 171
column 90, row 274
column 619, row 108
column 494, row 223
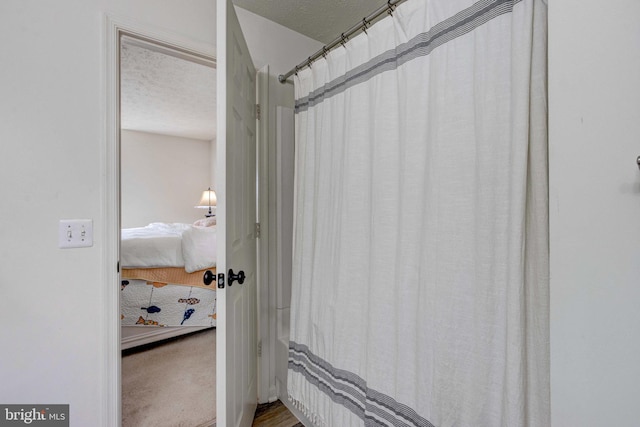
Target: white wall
column 594, row 118
column 162, row 178
column 273, row 44
column 52, row 141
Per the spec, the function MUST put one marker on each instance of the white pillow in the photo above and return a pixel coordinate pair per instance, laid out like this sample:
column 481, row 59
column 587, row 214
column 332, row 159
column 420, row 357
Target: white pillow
column 206, row 222
column 199, row 248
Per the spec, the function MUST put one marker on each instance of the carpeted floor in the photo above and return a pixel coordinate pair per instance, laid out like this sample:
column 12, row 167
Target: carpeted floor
column 171, row 384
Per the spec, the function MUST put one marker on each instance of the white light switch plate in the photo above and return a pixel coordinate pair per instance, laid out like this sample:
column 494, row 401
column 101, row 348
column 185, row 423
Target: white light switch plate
column 75, row 233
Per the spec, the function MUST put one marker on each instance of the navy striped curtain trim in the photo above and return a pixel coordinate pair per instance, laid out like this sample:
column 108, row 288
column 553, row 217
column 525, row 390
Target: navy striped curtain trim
column 423, row 44
column 349, row 390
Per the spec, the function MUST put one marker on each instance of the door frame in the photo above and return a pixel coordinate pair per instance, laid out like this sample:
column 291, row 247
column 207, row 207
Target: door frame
column 114, row 28
column 266, row 316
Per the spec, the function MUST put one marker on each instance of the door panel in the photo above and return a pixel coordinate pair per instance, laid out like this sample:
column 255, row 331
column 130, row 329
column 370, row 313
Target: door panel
column 236, row 177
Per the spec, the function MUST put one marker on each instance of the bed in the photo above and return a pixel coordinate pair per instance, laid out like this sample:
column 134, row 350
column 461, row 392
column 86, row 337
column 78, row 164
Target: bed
column 162, row 291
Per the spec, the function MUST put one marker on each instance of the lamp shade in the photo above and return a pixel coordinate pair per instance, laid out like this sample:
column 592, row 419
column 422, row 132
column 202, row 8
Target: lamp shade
column 208, row 199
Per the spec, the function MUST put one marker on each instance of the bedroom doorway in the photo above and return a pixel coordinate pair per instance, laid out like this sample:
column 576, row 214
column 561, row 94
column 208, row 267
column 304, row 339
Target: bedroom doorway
column 167, row 158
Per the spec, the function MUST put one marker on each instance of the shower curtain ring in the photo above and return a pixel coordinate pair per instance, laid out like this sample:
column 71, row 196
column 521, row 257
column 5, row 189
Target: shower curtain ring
column 390, row 8
column 344, row 40
column 309, row 62
column 325, row 51
column 365, row 24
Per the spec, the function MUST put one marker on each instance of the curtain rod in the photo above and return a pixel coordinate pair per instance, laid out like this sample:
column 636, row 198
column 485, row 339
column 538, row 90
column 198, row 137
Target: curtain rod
column 344, row 37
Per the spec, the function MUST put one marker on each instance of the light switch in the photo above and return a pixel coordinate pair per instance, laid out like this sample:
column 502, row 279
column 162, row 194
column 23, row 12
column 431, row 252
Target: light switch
column 75, row 233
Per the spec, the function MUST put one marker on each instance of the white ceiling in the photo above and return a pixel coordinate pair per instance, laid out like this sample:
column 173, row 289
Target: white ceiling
column 322, row 20
column 168, row 95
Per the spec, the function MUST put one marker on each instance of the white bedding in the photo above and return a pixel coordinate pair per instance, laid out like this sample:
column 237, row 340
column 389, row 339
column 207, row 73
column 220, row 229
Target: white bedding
column 168, row 245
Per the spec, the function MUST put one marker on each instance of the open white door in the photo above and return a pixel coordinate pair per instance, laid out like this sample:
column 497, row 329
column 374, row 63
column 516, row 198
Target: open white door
column 236, row 365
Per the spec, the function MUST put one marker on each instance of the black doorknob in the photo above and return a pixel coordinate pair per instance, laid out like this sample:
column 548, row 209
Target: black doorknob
column 208, row 277
column 233, row 277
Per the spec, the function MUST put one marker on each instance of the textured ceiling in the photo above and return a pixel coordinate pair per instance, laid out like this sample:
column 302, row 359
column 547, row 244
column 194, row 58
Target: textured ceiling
column 322, row 20
column 166, row 95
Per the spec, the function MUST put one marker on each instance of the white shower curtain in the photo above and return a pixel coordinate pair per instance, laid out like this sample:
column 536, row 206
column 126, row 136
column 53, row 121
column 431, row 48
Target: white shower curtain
column 420, row 271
